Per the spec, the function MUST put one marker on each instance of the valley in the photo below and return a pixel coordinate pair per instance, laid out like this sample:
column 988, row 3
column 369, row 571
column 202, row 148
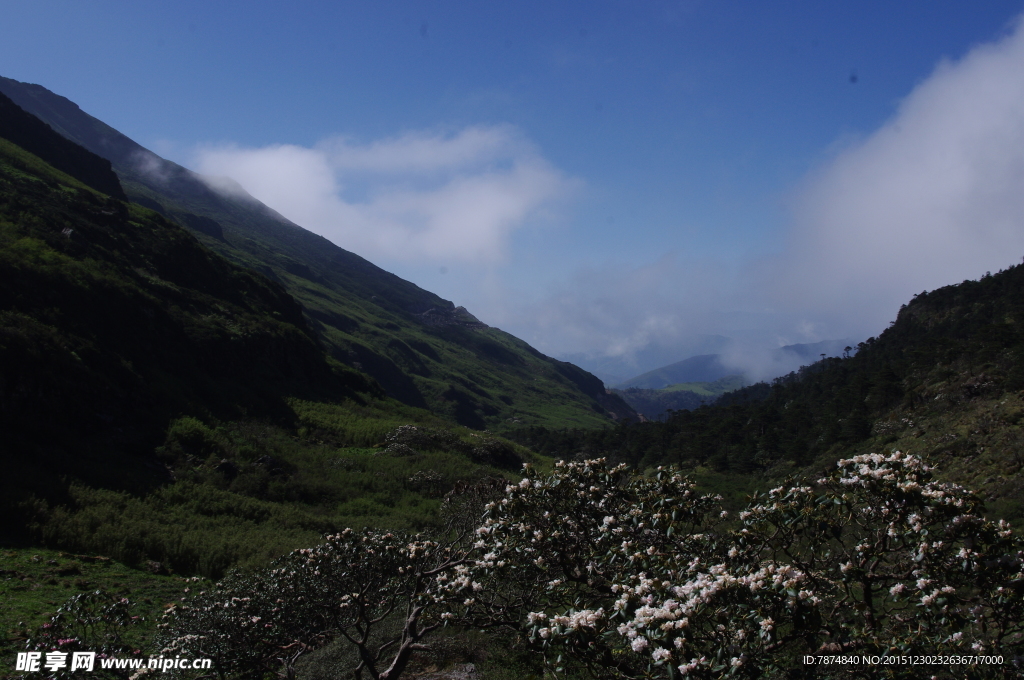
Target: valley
column 192, row 387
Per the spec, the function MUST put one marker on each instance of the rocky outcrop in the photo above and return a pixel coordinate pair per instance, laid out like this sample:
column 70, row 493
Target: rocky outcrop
column 457, row 316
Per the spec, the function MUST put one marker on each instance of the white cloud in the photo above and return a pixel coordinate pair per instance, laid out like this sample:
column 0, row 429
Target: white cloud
column 613, row 310
column 933, row 197
column 418, row 196
column 424, row 153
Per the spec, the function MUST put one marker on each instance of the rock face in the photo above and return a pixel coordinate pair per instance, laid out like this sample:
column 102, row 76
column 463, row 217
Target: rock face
column 204, row 225
column 458, row 316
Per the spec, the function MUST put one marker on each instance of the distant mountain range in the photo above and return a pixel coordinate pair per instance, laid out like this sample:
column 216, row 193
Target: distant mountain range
column 701, row 379
column 698, row 369
column 614, row 370
column 656, row 404
column 711, row 367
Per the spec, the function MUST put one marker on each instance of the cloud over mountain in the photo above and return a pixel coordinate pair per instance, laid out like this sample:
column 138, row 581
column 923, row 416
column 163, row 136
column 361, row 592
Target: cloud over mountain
column 932, row 197
column 448, row 197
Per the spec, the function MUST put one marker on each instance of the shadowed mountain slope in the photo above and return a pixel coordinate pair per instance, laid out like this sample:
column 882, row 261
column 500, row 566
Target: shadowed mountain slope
column 114, row 320
column 36, row 137
column 422, row 349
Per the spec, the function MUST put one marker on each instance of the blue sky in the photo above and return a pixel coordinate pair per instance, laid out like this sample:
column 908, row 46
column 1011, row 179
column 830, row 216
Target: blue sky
column 599, row 178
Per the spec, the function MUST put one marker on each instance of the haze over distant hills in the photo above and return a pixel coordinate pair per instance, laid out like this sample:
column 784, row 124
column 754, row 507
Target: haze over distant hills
column 701, row 379
column 701, row 368
column 657, row 404
column 706, row 359
column 619, row 368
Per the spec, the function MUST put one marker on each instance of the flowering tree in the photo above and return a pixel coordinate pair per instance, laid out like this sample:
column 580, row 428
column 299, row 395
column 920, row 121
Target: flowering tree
column 350, row 586
column 631, row 577
column 566, row 543
column 896, row 562
column 94, row 622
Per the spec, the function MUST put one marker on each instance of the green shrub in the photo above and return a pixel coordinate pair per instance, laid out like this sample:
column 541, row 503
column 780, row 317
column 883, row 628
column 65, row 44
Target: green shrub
column 192, row 437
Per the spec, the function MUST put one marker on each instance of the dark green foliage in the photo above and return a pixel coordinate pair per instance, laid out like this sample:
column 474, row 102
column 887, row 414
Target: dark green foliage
column 99, row 622
column 247, row 491
column 34, row 583
column 191, row 437
column 959, row 343
column 114, row 319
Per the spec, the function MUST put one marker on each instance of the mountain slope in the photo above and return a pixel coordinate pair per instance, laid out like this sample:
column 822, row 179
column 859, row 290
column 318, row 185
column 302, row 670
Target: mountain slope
column 421, row 348
column 34, row 136
column 159, row 403
column 944, row 380
column 702, row 368
column 113, row 320
column 656, row 404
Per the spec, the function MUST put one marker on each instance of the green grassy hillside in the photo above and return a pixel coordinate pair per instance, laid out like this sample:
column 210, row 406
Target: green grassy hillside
column 161, row 404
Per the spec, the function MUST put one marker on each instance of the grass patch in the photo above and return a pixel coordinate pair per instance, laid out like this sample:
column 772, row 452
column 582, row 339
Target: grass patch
column 245, row 492
column 34, row 582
